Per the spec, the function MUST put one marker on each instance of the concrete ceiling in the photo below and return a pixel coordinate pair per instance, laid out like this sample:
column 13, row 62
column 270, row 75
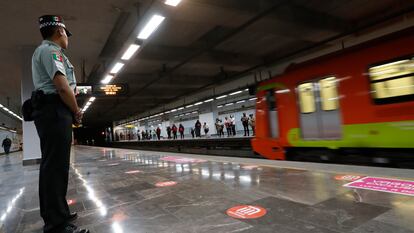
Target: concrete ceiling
column 201, row 42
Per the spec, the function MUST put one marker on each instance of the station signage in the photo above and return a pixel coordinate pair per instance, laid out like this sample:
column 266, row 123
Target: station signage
column 102, row 89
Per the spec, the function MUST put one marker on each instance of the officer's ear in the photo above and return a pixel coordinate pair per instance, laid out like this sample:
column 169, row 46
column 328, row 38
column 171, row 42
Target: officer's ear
column 61, row 31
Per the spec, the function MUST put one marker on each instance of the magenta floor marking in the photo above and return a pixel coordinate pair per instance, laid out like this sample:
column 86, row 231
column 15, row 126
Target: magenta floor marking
column 404, row 187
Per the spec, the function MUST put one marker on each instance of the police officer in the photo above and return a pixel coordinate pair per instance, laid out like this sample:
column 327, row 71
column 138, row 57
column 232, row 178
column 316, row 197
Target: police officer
column 55, row 111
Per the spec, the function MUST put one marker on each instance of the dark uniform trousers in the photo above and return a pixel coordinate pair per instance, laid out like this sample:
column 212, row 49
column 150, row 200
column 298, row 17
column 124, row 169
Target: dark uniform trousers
column 53, row 122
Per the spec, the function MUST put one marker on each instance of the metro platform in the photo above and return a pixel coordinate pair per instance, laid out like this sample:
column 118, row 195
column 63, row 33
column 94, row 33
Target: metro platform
column 122, row 191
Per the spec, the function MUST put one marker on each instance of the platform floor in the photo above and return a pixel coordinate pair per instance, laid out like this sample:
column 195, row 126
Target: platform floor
column 297, row 197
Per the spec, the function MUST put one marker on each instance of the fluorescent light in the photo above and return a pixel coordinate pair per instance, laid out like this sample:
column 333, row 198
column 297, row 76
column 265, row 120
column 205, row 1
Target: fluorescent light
column 92, row 99
column 194, row 112
column 198, row 103
column 235, row 93
column 174, row 110
column 221, row 97
column 172, row 2
column 206, row 101
column 130, row 52
column 253, row 99
column 151, row 26
column 107, row 79
column 117, row 67
column 187, row 113
column 241, row 101
column 247, row 89
column 229, row 104
column 189, row 106
column 181, row 108
column 220, row 106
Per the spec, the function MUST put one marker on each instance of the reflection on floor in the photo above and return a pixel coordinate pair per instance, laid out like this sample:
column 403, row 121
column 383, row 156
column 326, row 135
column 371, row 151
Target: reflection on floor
column 123, row 191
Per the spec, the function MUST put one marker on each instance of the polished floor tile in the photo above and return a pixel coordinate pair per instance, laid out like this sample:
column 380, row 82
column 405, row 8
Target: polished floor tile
column 119, row 191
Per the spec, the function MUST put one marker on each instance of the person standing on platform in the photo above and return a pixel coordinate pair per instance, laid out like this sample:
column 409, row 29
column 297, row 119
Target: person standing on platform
column 192, row 132
column 55, row 109
column 252, row 123
column 218, row 127
column 233, row 124
column 159, row 133
column 169, row 132
column 206, row 129
column 227, row 123
column 181, row 130
column 245, row 122
column 221, row 128
column 198, row 129
column 6, row 145
column 174, row 131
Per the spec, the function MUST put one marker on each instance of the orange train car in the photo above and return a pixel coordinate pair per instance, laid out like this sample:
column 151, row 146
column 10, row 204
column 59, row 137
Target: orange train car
column 359, row 100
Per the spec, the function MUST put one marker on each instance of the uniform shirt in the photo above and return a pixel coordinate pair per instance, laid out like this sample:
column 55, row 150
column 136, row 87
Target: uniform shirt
column 49, row 59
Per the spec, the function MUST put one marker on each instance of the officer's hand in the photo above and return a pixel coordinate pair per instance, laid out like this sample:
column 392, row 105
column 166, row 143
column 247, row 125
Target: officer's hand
column 78, row 117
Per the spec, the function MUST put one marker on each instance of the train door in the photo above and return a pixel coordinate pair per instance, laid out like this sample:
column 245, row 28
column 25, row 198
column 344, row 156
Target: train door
column 272, row 114
column 319, row 109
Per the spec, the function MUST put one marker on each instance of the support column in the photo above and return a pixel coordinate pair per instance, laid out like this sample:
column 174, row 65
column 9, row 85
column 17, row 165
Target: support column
column 207, row 115
column 31, row 142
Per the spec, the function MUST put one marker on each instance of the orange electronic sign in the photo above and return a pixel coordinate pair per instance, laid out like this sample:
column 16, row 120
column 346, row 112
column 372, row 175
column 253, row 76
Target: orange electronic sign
column 109, row 89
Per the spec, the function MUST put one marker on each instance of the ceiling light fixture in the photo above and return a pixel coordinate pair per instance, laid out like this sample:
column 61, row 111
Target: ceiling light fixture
column 172, row 2
column 117, row 67
column 107, row 79
column 235, row 93
column 198, row 103
column 151, row 26
column 210, row 100
column 130, row 52
column 221, row 97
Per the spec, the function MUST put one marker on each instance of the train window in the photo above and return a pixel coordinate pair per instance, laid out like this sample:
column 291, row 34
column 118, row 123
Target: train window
column 306, row 97
column 271, row 100
column 394, row 88
column 329, row 93
column 393, row 82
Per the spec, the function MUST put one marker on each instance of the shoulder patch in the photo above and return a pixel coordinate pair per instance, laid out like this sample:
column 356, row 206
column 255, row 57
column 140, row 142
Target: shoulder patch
column 57, row 57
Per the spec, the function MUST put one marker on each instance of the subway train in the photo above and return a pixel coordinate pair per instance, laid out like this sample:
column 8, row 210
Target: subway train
column 356, row 103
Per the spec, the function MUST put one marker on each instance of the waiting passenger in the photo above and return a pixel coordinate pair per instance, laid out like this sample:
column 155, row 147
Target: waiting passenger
column 159, row 133
column 233, row 124
column 227, row 123
column 181, row 130
column 219, row 127
column 192, row 132
column 174, row 131
column 198, row 129
column 245, row 122
column 143, row 134
column 252, row 123
column 206, row 129
column 169, row 132
column 6, row 145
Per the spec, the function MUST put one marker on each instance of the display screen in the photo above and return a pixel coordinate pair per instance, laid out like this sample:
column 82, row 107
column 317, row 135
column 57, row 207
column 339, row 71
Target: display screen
column 84, row 90
column 102, row 89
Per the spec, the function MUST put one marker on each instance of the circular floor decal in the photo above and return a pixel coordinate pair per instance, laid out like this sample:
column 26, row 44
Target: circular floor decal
column 246, row 212
column 177, row 159
column 165, row 184
column 133, row 172
column 348, row 177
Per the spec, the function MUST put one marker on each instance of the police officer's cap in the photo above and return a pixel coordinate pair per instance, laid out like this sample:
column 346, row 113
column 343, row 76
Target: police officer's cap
column 52, row 20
